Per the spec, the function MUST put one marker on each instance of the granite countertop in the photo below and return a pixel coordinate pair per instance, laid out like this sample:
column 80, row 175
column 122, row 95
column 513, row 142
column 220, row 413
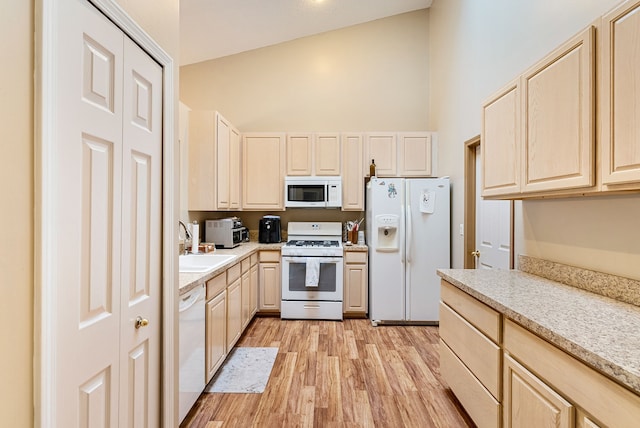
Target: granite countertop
column 355, row 247
column 602, row 332
column 188, row 281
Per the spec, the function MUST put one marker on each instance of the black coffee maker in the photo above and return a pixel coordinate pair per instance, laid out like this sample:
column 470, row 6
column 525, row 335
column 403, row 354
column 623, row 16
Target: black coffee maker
column 270, row 232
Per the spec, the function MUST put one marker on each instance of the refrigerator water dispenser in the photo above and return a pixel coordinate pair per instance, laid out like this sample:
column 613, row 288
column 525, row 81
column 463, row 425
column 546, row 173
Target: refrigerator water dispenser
column 388, row 236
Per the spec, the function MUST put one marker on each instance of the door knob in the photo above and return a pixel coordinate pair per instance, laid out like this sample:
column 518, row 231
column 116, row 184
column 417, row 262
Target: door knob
column 141, row 322
column 475, row 253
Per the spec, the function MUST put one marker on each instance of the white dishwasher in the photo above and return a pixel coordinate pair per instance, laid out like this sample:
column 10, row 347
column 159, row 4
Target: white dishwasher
column 191, row 332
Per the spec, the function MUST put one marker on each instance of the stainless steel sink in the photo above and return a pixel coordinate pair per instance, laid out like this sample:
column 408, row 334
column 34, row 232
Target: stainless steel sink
column 202, row 263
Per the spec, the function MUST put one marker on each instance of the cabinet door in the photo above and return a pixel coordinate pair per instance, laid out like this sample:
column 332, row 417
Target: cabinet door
column 223, row 148
column 234, row 313
column 216, row 343
column 202, row 161
column 558, row 118
column 253, row 290
column 501, row 142
column 327, row 154
column 246, row 299
column 352, row 172
column 269, row 284
column 620, row 92
column 235, row 175
column 529, row 402
column 355, row 288
column 299, row 152
column 382, row 148
column 415, row 154
column 263, row 183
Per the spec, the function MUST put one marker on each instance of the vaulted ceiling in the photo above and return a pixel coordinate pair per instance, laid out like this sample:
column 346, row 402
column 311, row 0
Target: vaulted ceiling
column 212, row 29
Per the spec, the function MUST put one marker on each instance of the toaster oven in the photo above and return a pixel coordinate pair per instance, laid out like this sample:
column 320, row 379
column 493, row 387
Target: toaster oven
column 226, row 232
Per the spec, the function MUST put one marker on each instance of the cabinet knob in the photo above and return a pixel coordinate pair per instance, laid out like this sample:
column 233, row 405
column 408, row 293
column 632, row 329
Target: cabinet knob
column 141, row 322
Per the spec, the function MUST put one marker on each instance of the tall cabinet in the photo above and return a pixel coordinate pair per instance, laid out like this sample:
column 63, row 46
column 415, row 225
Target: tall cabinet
column 262, row 162
column 214, row 162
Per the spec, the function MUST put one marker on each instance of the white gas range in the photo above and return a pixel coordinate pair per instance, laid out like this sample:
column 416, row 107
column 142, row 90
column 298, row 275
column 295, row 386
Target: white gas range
column 312, row 271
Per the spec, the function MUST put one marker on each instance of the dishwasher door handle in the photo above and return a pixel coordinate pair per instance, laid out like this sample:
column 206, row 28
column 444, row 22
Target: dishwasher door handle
column 189, row 301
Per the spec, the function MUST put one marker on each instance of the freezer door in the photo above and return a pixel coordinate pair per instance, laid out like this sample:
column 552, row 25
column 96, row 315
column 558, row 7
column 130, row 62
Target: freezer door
column 386, row 262
column 427, row 245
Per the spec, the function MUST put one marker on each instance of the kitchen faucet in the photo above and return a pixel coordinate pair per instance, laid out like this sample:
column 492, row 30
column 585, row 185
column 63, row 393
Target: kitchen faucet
column 187, row 238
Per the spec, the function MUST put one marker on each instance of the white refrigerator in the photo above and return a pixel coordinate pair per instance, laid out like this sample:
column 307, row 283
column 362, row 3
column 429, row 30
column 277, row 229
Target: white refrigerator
column 408, row 233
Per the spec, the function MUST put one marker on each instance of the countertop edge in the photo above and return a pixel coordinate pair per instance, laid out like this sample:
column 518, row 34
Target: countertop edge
column 594, row 360
column 189, row 281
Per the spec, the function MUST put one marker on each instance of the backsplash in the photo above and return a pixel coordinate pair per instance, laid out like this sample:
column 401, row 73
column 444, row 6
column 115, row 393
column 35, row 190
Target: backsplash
column 616, row 287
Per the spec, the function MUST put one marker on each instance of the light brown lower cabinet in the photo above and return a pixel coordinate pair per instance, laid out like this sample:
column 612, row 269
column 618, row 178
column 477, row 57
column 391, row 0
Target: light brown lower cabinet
column 528, row 401
column 245, row 281
column 216, row 324
column 470, row 354
column 505, row 375
column 269, row 281
column 253, row 286
column 234, row 313
column 355, row 283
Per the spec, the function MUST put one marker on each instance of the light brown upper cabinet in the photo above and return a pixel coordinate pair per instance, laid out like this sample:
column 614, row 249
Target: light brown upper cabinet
column 538, row 132
column 228, row 164
column 313, row 154
column 501, row 142
column 202, row 160
column 619, row 97
column 352, row 172
column 416, row 151
column 262, row 162
column 403, row 154
column 327, row 154
column 299, row 151
column 558, row 126
column 214, row 162
column 383, row 149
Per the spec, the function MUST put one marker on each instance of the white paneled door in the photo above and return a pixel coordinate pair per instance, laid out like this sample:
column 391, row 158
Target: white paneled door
column 108, row 175
column 493, row 228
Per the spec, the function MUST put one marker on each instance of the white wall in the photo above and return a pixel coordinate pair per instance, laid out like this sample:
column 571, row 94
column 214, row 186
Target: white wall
column 369, row 77
column 477, row 46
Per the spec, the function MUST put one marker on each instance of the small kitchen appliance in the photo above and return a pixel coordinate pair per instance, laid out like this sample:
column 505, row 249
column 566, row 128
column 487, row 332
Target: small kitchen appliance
column 226, row 233
column 270, row 230
column 312, row 271
column 313, row 192
column 408, row 233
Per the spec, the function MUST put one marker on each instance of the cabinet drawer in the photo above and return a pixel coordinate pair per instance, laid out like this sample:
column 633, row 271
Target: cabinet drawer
column 269, row 256
column 478, row 352
column 476, row 400
column 355, row 257
column 215, row 285
column 245, row 264
column 477, row 313
column 233, row 273
column 254, row 259
column 605, row 400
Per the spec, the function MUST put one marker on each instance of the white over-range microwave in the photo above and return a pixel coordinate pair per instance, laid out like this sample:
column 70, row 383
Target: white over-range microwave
column 313, row 192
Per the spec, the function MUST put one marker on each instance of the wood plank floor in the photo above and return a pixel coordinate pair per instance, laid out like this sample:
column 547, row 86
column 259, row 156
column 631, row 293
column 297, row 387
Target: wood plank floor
column 339, row 374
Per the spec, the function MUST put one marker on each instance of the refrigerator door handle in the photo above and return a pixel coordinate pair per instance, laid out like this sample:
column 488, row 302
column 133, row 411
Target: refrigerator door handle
column 402, row 244
column 409, row 236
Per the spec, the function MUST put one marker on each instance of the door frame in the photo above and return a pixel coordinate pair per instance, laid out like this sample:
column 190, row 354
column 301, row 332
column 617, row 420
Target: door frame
column 470, row 174
column 45, row 305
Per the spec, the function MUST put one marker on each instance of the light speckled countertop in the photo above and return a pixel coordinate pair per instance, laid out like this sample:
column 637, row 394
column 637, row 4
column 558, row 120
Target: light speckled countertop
column 188, row 281
column 602, row 332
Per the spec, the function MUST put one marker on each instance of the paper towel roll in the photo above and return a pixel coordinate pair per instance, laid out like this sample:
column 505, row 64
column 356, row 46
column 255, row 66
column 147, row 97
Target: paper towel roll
column 195, row 237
